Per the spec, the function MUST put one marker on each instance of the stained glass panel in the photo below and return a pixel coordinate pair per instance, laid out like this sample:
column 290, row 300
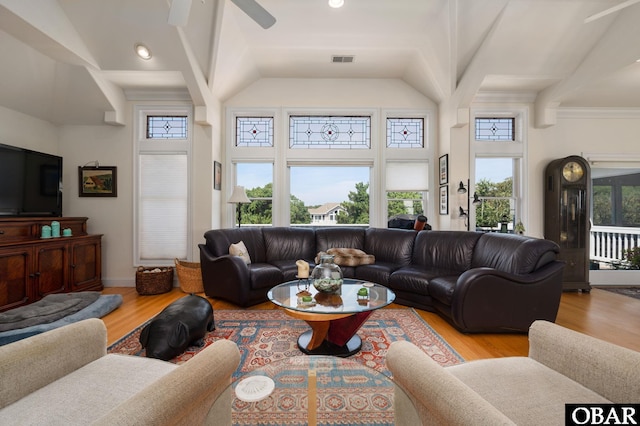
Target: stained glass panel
column 495, row 129
column 405, row 133
column 167, row 127
column 330, row 132
column 254, row 132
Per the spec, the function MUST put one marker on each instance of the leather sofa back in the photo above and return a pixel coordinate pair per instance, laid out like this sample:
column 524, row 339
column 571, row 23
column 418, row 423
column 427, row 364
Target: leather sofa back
column 390, row 245
column 327, row 238
column 448, row 250
column 289, row 243
column 219, row 240
column 509, row 253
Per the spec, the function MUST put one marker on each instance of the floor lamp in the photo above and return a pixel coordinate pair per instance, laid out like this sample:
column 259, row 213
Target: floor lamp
column 239, row 196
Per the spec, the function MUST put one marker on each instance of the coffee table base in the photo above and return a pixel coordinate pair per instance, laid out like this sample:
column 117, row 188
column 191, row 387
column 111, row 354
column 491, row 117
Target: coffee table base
column 352, row 347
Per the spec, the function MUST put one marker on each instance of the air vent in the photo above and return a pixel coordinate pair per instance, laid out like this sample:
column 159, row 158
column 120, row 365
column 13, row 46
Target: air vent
column 342, row 59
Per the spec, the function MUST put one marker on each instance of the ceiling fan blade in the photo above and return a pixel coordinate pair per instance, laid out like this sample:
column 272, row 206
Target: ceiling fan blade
column 611, row 10
column 179, row 13
column 257, row 12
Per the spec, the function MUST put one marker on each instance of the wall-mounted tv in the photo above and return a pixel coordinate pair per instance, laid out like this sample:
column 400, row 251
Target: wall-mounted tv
column 30, row 183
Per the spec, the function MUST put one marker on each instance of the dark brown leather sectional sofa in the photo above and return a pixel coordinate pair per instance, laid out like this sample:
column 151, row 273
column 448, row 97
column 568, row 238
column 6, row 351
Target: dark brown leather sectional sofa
column 480, row 282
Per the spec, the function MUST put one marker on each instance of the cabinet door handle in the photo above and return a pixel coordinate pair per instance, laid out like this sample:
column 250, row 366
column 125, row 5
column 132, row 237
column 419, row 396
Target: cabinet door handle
column 32, row 275
column 1, row 232
column 73, row 266
column 37, row 274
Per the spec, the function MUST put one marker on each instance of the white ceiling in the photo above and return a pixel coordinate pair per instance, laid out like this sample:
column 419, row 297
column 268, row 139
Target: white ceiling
column 72, row 62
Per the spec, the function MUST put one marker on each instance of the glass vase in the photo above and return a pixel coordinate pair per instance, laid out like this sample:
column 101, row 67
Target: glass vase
column 327, row 276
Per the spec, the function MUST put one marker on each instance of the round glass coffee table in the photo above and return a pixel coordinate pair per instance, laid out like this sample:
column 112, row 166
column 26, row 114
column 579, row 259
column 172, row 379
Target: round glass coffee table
column 312, row 390
column 334, row 318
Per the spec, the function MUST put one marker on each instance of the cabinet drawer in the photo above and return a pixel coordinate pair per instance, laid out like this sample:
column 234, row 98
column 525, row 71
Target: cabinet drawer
column 10, row 232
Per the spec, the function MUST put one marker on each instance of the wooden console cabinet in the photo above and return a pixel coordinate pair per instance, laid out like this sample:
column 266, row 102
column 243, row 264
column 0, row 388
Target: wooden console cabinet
column 31, row 267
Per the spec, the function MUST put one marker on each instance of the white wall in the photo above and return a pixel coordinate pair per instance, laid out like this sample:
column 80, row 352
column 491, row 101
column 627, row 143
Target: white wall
column 24, row 131
column 113, row 217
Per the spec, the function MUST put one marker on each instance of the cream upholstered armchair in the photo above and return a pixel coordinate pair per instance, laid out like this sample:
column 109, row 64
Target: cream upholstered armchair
column 65, row 377
column 563, row 366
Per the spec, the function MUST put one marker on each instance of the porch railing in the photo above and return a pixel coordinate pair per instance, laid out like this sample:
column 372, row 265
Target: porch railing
column 608, row 242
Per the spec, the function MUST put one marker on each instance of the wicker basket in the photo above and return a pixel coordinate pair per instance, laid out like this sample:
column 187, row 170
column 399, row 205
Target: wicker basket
column 148, row 283
column 189, row 276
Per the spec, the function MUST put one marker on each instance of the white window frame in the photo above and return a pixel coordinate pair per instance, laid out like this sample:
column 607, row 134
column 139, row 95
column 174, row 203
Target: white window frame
column 142, row 145
column 283, row 156
column 516, row 149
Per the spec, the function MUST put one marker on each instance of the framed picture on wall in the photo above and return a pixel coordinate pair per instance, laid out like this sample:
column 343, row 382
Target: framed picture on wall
column 444, row 200
column 97, row 182
column 444, row 169
column 217, row 175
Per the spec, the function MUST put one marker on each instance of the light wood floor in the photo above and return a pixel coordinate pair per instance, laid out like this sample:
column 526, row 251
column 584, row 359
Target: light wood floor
column 600, row 313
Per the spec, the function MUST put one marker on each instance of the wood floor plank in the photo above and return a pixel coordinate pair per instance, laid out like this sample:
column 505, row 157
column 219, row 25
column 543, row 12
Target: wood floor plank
column 611, row 317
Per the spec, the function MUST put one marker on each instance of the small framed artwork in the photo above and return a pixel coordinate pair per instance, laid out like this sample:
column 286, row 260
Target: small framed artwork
column 97, row 182
column 444, row 169
column 444, row 199
column 217, row 175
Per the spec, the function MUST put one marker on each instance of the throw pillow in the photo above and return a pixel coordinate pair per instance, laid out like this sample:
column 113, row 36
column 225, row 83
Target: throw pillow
column 240, row 250
column 349, row 257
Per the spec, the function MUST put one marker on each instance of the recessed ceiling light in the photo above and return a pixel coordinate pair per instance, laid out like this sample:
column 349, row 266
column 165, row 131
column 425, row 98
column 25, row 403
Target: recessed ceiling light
column 336, row 3
column 142, row 51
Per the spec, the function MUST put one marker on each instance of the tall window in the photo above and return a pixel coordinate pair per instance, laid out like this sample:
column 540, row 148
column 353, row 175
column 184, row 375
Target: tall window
column 329, row 168
column 407, row 185
column 161, row 185
column 498, row 149
column 257, row 179
column 497, row 193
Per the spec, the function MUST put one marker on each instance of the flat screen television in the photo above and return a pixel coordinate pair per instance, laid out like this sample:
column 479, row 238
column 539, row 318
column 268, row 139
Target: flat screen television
column 30, row 183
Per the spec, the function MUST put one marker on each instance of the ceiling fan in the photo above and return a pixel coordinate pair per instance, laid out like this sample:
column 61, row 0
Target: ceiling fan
column 179, row 12
column 610, row 10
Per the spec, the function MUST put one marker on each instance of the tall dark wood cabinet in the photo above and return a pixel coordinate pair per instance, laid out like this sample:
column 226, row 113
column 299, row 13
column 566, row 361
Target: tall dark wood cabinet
column 32, row 267
column 566, row 216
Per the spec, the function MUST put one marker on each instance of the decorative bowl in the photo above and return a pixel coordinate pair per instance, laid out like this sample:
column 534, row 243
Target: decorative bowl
column 327, row 285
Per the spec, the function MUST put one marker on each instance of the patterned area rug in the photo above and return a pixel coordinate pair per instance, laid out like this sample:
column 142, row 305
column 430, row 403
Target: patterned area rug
column 345, row 395
column 627, row 291
column 266, row 336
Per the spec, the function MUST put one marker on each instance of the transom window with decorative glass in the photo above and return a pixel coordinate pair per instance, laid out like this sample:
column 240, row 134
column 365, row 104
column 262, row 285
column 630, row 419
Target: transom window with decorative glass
column 405, row 132
column 166, row 127
column 329, row 132
column 254, row 132
column 495, row 129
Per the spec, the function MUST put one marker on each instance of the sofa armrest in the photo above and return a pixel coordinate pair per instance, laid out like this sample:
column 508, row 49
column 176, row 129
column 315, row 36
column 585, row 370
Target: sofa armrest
column 489, row 300
column 185, row 395
column 438, row 396
column 36, row 361
column 607, row 369
column 226, row 277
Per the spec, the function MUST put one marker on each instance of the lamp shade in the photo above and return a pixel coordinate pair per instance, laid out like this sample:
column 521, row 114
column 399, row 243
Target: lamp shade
column 239, row 196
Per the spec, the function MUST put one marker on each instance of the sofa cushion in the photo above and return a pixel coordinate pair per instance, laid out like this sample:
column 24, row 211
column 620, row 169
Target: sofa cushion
column 283, row 243
column 265, row 275
column 414, row 279
column 513, row 254
column 449, row 250
column 535, row 395
column 240, row 250
column 378, row 273
column 88, row 393
column 327, row 238
column 393, row 246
